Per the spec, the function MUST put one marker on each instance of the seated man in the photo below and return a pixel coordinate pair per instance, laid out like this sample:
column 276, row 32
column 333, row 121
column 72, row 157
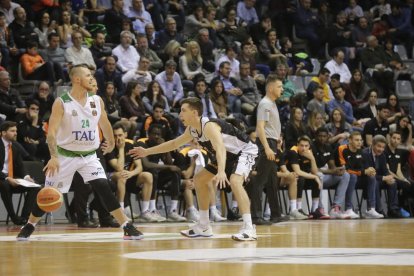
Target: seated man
column 332, row 176
column 30, row 133
column 300, row 160
column 12, row 167
column 164, row 172
column 128, row 173
column 159, row 119
column 378, row 177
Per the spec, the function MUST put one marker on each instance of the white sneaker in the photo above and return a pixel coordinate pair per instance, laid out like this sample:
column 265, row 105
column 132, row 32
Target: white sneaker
column 147, row 217
column 155, row 214
column 198, row 230
column 336, row 213
column 246, row 234
column 193, row 215
column 372, row 214
column 351, row 214
column 175, row 217
column 296, row 215
column 127, row 212
column 216, row 216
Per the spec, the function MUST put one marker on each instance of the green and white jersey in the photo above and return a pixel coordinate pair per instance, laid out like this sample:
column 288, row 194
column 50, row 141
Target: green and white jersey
column 78, row 133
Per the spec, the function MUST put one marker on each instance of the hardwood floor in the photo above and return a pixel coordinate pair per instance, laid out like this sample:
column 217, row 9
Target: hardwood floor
column 357, row 247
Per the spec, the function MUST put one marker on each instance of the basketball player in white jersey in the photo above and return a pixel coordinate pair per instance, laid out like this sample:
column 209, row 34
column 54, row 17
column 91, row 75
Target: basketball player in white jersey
column 231, row 155
column 73, row 137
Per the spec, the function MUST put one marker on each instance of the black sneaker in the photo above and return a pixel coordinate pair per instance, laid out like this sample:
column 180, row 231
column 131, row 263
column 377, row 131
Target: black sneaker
column 233, row 214
column 319, row 214
column 25, row 232
column 109, row 222
column 260, row 221
column 132, row 233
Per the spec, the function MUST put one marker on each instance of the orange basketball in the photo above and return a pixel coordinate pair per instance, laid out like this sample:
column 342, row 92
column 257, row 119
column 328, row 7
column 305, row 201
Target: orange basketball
column 49, row 199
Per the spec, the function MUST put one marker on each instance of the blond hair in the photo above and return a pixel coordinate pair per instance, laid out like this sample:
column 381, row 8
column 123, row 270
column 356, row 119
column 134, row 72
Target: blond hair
column 188, row 53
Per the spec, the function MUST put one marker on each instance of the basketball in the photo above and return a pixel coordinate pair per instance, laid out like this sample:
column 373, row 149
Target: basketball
column 49, row 199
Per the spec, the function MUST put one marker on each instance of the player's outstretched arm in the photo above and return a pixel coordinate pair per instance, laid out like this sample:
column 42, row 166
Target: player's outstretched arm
column 139, row 152
column 55, row 119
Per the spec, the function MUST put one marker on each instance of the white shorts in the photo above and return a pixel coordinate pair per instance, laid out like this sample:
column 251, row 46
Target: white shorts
column 88, row 167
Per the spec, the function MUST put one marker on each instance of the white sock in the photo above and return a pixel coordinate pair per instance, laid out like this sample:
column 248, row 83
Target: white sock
column 191, row 208
column 122, row 205
column 204, row 217
column 213, row 208
column 234, row 204
column 152, row 206
column 247, row 219
column 315, row 204
column 145, row 206
column 299, row 203
column 173, row 207
column 267, row 208
column 292, row 205
column 32, row 223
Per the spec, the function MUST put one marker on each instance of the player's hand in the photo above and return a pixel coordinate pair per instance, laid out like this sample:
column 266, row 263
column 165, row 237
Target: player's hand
column 320, row 184
column 270, row 154
column 120, row 143
column 107, row 147
column 126, row 174
column 52, row 167
column 220, row 179
column 138, row 152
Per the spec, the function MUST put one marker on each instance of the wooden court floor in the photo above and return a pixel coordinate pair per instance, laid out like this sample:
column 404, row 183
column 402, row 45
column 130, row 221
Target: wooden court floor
column 357, row 247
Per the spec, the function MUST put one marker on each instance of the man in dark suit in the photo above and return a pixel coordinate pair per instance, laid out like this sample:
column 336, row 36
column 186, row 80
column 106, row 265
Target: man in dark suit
column 12, row 168
column 378, row 176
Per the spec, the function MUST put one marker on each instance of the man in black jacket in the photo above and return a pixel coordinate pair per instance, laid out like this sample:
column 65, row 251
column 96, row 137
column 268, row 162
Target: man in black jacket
column 12, row 167
column 10, row 102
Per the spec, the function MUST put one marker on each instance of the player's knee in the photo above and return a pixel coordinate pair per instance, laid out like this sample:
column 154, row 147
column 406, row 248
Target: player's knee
column 147, row 177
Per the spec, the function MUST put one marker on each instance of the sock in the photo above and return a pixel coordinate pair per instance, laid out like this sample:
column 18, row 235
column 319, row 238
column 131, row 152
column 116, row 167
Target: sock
column 293, row 204
column 234, row 204
column 152, row 206
column 247, row 219
column 315, row 204
column 174, row 204
column 124, row 224
column 122, row 205
column 213, row 208
column 267, row 208
column 191, row 208
column 204, row 217
column 145, row 206
column 299, row 204
column 32, row 223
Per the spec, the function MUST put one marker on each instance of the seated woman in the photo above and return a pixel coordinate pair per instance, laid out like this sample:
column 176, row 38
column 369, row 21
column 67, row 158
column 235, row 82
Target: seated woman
column 404, row 126
column 270, row 52
column 315, row 121
column 190, row 64
column 396, row 110
column 339, row 130
column 295, row 128
column 356, row 92
column 113, row 110
column 131, row 104
column 219, row 99
column 35, row 68
column 155, row 95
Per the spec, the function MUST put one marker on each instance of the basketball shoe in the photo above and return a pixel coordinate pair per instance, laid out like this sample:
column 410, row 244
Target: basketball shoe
column 25, row 232
column 132, row 233
column 246, row 234
column 198, row 230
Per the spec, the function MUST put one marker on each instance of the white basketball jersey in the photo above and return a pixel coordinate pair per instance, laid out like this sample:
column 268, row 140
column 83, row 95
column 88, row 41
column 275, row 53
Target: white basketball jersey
column 79, row 130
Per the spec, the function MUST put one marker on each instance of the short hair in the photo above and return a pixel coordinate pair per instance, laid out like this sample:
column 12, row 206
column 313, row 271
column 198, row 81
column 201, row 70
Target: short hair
column 221, row 66
column 244, row 63
column 140, row 35
column 324, row 71
column 52, row 35
column 7, row 124
column 203, row 30
column 271, row 78
column 336, row 88
column 155, row 126
column 119, row 125
column 76, row 32
column 383, row 106
column 336, row 76
column 379, row 139
column 305, row 138
column 32, row 44
column 158, row 105
column 29, row 102
column 316, row 88
column 170, row 63
column 194, row 104
column 126, row 33
column 76, row 69
column 111, row 56
column 95, row 35
column 321, row 130
column 395, row 132
column 354, row 133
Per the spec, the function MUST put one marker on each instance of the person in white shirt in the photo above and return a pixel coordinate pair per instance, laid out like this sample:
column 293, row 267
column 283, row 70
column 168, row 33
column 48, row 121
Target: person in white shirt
column 141, row 16
column 230, row 56
column 7, row 7
column 141, row 74
column 337, row 66
column 128, row 56
column 78, row 54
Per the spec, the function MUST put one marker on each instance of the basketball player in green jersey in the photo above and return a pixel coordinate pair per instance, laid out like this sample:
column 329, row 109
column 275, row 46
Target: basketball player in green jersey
column 73, row 137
